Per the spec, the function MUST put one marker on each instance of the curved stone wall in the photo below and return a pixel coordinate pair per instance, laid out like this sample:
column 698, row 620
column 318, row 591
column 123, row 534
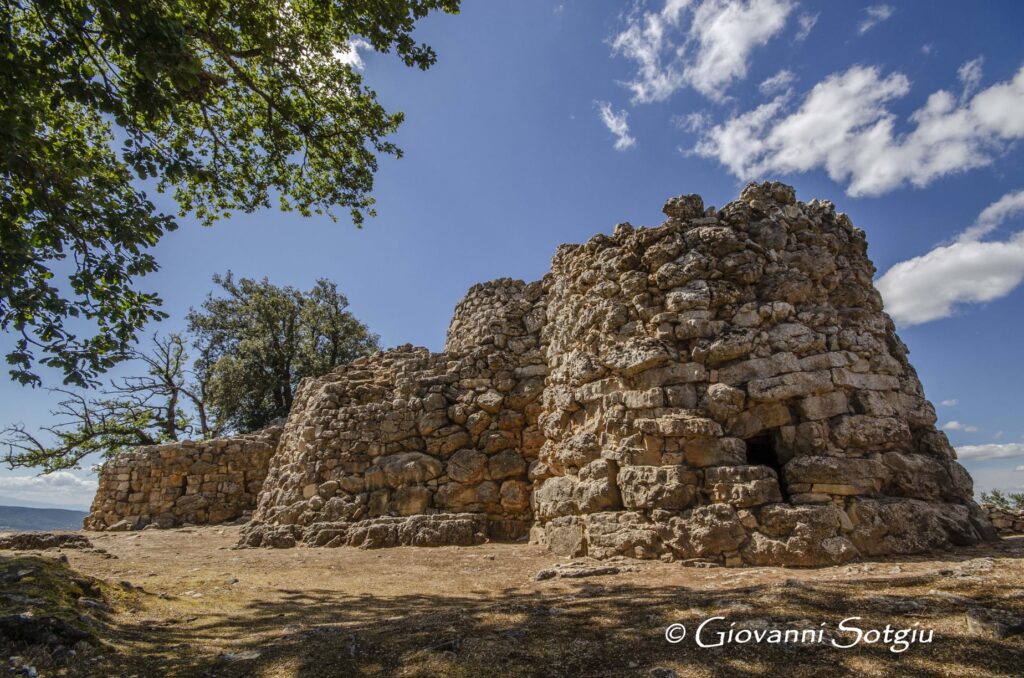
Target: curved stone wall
column 727, row 386
column 503, row 313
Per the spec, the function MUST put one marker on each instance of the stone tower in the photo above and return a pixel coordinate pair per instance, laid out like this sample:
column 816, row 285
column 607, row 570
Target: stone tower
column 725, row 386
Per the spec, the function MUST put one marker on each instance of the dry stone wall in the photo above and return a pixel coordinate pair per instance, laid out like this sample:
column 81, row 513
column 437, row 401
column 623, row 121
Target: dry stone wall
column 409, row 447
column 727, row 386
column 1006, row 521
column 212, row 481
column 723, row 387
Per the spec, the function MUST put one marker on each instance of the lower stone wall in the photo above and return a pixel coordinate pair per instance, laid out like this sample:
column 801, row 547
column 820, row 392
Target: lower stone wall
column 210, row 481
column 408, row 447
column 1006, row 521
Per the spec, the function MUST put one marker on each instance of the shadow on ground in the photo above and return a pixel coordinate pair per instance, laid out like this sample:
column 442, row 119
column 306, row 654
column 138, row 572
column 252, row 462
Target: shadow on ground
column 600, row 627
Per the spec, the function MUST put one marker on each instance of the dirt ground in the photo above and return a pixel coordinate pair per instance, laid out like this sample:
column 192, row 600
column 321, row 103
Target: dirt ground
column 183, row 602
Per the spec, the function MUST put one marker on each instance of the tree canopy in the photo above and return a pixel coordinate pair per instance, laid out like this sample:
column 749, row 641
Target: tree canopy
column 252, row 346
column 231, row 105
column 259, row 340
column 165, row 403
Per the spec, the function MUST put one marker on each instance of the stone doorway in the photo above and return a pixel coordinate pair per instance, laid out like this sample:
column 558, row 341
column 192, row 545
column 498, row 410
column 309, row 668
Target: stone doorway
column 761, row 451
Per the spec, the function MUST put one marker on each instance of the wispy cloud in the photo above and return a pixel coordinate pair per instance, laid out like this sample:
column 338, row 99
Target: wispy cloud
column 876, row 14
column 968, row 271
column 61, row 488
column 778, row 82
column 705, row 45
column 988, row 452
column 618, row 124
column 844, row 125
column 806, row 22
column 957, row 426
column 970, row 76
column 697, row 121
column 952, row 402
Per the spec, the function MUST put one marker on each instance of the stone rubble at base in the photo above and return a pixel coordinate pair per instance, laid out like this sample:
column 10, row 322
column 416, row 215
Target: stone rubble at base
column 725, row 386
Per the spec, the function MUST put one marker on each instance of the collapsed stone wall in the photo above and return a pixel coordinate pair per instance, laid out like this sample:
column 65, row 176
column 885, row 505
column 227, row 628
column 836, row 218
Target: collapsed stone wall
column 1006, row 521
column 725, row 386
column 413, row 447
column 211, row 481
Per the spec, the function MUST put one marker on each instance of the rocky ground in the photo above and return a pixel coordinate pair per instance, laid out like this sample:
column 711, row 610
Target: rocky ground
column 183, row 602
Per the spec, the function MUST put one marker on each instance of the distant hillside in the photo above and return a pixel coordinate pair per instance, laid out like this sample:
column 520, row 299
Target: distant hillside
column 23, row 518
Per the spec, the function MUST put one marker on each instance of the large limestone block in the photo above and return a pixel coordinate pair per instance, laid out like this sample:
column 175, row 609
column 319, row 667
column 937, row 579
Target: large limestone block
column 707, row 531
column 834, row 475
column 408, row 468
column 597, row 489
column 621, row 533
column 742, row 486
column 664, row 487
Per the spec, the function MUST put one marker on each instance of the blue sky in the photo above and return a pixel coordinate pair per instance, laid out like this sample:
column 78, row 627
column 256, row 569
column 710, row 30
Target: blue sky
column 547, row 122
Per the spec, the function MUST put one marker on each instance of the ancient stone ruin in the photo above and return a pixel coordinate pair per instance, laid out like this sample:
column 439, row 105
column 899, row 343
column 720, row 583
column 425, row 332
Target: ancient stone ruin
column 725, row 386
column 212, row 481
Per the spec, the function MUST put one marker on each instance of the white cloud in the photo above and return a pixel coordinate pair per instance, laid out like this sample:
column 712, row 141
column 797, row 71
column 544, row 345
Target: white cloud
column 952, row 402
column 998, row 435
column 1019, row 468
column 1008, row 206
column 644, row 41
column 844, row 126
column 876, row 14
column 969, row 270
column 707, row 52
column 726, row 33
column 970, row 76
column 349, row 53
column 778, row 82
column 806, row 22
column 617, row 124
column 928, row 49
column 929, row 287
column 692, row 122
column 59, row 488
column 957, row 426
column 987, row 452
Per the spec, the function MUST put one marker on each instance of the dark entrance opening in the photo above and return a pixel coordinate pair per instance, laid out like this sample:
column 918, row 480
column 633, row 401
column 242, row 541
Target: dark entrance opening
column 761, row 452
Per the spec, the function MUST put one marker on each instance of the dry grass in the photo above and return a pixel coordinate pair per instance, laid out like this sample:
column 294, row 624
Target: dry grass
column 208, row 610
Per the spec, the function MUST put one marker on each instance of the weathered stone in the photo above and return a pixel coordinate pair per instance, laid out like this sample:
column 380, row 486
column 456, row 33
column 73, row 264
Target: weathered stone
column 627, row 404
column 506, row 464
column 707, row 531
column 410, row 467
column 467, row 466
column 742, row 485
column 664, row 487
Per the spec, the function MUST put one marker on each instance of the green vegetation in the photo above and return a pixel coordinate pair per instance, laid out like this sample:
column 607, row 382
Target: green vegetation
column 230, row 106
column 259, row 340
column 253, row 345
column 1011, row 501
